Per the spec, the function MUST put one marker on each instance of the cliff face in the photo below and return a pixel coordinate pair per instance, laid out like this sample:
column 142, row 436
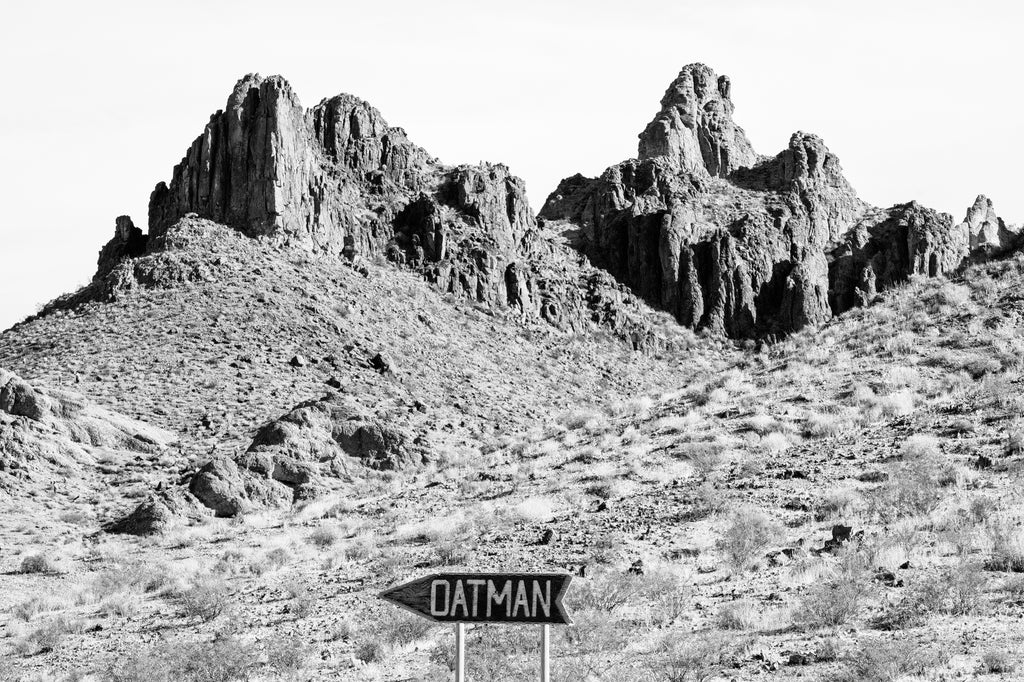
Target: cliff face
column 697, row 225
column 338, row 179
column 734, row 243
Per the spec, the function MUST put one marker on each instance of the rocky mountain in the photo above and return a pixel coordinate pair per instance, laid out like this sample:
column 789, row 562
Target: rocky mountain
column 698, row 225
column 736, row 243
column 331, row 363
column 337, row 179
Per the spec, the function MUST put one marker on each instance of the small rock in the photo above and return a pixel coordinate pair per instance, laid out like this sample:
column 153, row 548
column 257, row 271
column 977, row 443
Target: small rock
column 334, row 382
column 547, row 537
column 382, row 363
column 637, row 568
column 297, row 361
column 796, row 658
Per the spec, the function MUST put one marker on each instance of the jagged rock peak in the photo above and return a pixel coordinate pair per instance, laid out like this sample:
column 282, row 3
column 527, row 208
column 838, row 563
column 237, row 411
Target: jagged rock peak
column 694, row 128
column 985, row 229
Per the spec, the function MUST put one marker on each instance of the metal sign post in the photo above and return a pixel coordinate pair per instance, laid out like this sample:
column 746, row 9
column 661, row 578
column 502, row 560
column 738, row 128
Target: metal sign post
column 511, row 598
column 545, row 657
column 460, row 652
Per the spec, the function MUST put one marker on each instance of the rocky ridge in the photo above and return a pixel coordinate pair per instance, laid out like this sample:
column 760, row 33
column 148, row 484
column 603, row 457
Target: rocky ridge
column 746, row 245
column 339, row 180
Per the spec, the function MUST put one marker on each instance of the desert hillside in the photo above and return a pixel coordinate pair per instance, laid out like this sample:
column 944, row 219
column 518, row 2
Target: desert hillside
column 771, row 430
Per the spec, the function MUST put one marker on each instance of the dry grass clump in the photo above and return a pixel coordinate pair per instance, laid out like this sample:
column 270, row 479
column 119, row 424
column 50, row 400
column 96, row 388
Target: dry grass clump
column 834, row 601
column 48, row 636
column 535, row 509
column 822, row 425
column 997, row 662
column 741, row 614
column 659, row 595
column 837, row 505
column 1014, row 444
column 225, row 659
column 913, row 489
column 761, row 424
column 745, row 538
column 37, row 563
column 1007, row 547
column 956, row 590
column 920, row 446
column 888, row 661
column 323, row 537
column 698, row 657
column 205, row 598
column 33, row 606
column 434, row 529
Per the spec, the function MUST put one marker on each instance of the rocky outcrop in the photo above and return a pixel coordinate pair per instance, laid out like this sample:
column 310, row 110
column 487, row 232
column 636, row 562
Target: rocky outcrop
column 987, row 232
column 75, row 418
column 749, row 246
column 294, row 457
column 694, row 129
column 128, row 242
column 61, row 440
column 339, row 179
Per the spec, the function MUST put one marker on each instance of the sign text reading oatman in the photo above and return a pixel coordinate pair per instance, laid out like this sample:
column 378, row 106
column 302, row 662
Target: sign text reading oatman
column 486, row 597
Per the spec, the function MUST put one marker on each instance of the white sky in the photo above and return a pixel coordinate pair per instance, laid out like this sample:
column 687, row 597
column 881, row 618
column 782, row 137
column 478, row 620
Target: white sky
column 919, row 99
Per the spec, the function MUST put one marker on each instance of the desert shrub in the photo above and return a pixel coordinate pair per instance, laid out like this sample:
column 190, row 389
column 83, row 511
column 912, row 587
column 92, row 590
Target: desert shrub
column 662, row 592
column 920, row 446
column 705, row 459
column 206, row 598
column 913, row 489
column 738, row 615
column 129, row 577
column 300, row 599
column 33, row 606
column 222, row 660
column 400, row 628
column 997, row 662
column 822, row 425
column 831, row 603
column 288, row 655
column 761, row 424
column 362, row 546
column 36, row 563
column 1007, row 551
column 836, row 504
column 323, row 537
column 745, row 538
column 451, row 554
column 776, row 442
column 434, row 529
column 370, row 651
column 271, row 561
column 957, row 590
column 888, row 661
column 1014, row 441
column 48, row 637
column 535, row 509
column 689, row 658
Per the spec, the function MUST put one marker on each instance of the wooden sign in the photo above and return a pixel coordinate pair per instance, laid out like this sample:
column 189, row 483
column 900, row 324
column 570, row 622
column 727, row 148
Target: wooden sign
column 516, row 598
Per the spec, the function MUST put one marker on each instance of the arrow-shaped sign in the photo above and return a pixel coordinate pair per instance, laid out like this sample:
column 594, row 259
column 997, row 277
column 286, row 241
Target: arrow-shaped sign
column 523, row 598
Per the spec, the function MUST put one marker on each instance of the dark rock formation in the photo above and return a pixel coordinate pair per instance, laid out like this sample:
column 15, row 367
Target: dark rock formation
column 128, row 242
column 734, row 243
column 337, row 178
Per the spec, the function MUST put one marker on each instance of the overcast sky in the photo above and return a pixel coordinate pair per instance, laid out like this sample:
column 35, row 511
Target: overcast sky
column 920, row 100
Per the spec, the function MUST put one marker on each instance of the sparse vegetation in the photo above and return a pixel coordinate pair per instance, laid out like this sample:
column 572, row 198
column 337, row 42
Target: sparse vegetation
column 745, row 538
